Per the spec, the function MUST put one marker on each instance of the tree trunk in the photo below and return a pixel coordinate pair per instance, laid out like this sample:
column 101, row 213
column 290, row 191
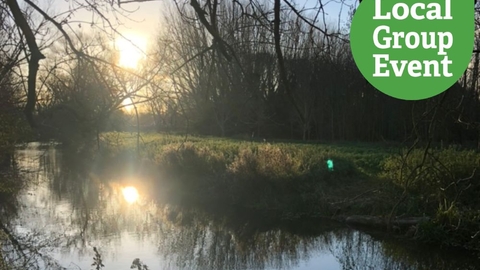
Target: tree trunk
column 33, row 61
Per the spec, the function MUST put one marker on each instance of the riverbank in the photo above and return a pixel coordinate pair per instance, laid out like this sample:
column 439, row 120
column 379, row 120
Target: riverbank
column 292, row 180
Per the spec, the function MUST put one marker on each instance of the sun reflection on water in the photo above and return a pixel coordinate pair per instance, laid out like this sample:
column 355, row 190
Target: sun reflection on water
column 130, row 194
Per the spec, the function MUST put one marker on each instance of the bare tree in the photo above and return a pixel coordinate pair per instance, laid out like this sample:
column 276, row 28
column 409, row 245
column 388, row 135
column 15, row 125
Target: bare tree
column 67, row 29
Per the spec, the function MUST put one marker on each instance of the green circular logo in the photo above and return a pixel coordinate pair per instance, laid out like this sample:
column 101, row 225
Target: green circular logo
column 412, row 49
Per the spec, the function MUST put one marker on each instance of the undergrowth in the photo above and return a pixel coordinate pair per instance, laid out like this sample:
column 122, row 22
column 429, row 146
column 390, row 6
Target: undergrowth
column 292, row 179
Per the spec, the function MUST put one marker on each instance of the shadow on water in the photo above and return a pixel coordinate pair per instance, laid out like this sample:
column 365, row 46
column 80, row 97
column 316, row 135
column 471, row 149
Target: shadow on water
column 65, row 209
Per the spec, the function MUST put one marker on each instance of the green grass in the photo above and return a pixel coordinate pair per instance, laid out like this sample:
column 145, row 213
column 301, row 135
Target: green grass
column 291, row 179
column 365, row 157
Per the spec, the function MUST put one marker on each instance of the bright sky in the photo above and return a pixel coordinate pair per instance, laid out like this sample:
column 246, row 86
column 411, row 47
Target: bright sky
column 146, row 18
column 143, row 24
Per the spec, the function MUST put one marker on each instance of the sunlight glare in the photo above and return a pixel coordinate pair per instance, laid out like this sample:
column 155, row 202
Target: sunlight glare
column 130, row 194
column 131, row 52
column 127, row 105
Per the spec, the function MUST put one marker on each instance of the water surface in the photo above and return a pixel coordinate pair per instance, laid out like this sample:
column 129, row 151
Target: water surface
column 66, row 209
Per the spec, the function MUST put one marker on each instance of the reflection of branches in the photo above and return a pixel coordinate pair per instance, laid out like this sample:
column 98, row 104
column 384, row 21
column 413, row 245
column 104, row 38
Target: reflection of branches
column 195, row 238
column 26, row 252
column 246, row 242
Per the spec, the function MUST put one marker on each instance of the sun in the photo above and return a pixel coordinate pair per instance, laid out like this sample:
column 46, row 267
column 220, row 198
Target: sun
column 130, row 194
column 127, row 105
column 131, row 50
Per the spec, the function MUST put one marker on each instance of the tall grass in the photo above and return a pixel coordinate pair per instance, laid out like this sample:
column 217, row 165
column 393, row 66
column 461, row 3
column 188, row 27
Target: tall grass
column 292, row 179
column 289, row 178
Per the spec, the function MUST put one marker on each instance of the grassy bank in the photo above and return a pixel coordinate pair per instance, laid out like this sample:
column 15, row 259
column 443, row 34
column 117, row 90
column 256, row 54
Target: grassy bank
column 291, row 180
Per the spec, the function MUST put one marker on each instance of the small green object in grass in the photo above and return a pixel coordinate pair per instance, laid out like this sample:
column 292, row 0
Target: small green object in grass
column 330, row 165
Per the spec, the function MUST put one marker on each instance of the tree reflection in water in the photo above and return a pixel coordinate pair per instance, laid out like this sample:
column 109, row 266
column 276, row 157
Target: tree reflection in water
column 20, row 248
column 72, row 208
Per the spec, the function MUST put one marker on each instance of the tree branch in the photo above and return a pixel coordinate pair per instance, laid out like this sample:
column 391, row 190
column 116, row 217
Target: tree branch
column 35, row 58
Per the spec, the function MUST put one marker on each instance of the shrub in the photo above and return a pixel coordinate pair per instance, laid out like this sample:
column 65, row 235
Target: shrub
column 441, row 169
column 452, row 227
column 191, row 160
column 265, row 162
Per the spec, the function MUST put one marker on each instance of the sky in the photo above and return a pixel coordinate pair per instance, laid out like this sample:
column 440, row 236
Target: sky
column 146, row 20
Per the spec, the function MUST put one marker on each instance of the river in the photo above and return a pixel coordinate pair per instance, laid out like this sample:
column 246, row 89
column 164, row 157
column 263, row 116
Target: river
column 62, row 213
